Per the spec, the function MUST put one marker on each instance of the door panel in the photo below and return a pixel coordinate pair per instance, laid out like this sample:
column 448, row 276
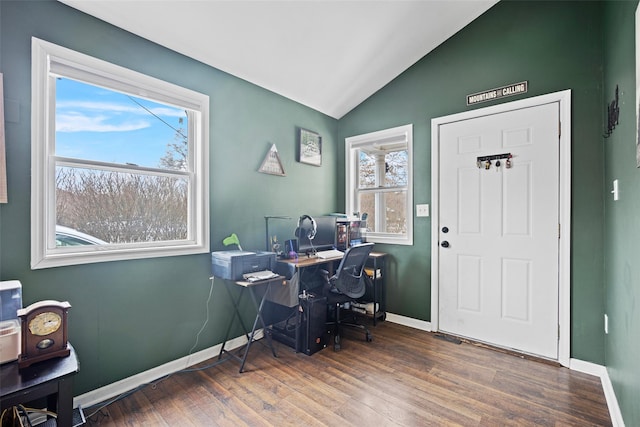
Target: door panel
column 498, row 277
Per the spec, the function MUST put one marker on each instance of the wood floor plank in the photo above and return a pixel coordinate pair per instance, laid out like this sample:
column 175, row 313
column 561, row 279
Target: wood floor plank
column 405, row 377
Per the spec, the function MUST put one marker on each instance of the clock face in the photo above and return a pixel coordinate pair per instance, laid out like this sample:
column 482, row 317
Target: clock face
column 45, row 323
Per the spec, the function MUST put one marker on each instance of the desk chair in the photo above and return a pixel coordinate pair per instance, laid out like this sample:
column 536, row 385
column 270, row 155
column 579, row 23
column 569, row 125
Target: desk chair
column 347, row 285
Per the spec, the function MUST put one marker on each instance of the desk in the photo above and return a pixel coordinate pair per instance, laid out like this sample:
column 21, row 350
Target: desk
column 376, row 261
column 251, row 286
column 52, row 379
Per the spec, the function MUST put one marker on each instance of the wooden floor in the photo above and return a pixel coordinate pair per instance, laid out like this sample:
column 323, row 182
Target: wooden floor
column 405, row 377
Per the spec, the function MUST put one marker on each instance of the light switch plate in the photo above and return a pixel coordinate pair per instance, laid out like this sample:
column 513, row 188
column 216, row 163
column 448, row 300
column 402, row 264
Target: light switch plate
column 422, row 210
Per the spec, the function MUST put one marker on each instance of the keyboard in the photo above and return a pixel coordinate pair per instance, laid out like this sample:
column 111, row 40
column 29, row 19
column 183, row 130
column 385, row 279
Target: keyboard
column 331, row 253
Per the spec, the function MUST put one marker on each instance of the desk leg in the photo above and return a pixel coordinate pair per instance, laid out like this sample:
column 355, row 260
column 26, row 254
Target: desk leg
column 255, row 324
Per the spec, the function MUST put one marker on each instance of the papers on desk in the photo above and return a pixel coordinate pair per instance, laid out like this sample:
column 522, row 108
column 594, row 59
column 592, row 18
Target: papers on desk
column 256, row 276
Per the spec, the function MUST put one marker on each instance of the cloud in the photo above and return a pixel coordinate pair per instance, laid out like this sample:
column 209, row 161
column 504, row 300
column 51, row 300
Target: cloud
column 114, row 107
column 96, row 116
column 79, row 122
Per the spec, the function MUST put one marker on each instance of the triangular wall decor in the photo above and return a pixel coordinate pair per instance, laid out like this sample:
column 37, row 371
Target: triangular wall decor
column 271, row 163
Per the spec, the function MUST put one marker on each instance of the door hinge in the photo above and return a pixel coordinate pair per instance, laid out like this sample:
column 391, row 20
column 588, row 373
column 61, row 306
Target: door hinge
column 558, row 332
column 558, row 230
column 559, row 129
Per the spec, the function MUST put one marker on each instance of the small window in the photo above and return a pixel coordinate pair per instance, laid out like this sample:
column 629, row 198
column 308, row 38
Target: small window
column 379, row 183
column 119, row 161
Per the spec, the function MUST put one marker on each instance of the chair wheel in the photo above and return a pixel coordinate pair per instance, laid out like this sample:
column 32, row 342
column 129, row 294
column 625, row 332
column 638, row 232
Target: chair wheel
column 369, row 337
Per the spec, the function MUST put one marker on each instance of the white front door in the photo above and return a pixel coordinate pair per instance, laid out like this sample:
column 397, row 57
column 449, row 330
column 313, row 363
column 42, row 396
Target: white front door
column 499, row 229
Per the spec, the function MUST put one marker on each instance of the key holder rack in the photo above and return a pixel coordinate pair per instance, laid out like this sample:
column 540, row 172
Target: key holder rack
column 486, row 161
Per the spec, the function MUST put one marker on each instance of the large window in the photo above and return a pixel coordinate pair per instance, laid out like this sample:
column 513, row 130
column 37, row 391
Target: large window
column 379, row 183
column 119, row 162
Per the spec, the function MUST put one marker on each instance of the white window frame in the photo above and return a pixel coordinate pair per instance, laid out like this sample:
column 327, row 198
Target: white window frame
column 352, row 145
column 50, row 60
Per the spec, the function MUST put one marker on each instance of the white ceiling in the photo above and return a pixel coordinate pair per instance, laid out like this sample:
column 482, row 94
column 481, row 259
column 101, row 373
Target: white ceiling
column 329, row 55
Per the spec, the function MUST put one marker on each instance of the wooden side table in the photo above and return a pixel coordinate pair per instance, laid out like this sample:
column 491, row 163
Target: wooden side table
column 52, row 379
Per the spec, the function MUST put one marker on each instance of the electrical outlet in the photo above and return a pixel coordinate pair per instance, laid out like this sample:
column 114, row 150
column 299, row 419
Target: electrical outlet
column 606, row 324
column 422, row 210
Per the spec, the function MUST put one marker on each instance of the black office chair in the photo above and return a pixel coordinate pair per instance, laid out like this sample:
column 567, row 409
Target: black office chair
column 347, row 285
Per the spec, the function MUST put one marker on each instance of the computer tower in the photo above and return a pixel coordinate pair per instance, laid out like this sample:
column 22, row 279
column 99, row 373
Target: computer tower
column 312, row 333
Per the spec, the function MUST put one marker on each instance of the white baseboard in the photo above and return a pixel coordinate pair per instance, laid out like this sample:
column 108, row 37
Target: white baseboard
column 607, row 387
column 409, row 321
column 125, row 385
column 587, row 368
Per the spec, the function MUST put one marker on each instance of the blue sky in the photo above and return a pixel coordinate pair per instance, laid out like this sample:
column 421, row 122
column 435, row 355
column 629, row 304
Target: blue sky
column 99, row 124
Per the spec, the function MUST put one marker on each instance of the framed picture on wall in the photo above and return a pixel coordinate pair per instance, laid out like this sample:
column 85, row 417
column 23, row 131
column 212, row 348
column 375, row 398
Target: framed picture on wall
column 310, row 147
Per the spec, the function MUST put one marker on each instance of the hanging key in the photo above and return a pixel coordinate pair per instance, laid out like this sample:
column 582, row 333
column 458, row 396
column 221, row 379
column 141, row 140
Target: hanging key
column 479, row 163
column 508, row 164
column 498, row 165
column 487, row 165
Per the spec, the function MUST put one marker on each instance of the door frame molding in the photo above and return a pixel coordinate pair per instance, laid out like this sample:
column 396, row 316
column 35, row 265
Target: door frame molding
column 564, row 261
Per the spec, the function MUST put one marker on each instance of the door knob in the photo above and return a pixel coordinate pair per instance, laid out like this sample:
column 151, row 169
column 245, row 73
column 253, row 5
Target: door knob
column 445, row 229
column 444, row 244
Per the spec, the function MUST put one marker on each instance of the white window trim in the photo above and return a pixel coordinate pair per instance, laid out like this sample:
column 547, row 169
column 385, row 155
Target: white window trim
column 351, row 166
column 47, row 58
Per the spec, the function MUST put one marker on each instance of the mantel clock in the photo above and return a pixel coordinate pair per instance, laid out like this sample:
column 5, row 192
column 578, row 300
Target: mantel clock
column 44, row 332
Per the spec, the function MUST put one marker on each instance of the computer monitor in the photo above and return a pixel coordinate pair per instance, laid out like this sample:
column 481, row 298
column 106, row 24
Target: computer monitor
column 325, row 237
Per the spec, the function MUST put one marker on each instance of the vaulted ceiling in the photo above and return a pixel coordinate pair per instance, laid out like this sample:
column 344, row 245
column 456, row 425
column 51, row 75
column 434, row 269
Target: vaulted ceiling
column 329, row 55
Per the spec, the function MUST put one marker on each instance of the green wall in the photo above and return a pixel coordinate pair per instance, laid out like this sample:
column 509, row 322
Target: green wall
column 622, row 228
column 553, row 45
column 131, row 316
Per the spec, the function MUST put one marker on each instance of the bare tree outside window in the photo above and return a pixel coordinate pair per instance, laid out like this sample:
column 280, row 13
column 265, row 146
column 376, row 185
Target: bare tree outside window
column 176, row 156
column 388, row 170
column 379, row 183
column 121, row 208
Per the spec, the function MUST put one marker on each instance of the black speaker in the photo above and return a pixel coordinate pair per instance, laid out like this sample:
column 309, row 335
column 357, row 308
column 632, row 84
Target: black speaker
column 312, row 333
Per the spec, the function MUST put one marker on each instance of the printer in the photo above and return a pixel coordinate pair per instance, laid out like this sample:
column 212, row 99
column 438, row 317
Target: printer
column 232, row 265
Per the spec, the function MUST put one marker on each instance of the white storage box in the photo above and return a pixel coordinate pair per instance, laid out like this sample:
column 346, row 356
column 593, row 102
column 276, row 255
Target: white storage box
column 9, row 340
column 10, row 299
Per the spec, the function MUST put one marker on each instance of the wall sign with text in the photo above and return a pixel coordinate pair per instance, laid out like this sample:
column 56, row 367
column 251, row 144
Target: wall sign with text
column 499, row 92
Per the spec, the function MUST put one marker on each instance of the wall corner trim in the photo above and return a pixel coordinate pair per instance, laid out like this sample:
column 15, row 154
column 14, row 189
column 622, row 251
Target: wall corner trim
column 607, row 387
